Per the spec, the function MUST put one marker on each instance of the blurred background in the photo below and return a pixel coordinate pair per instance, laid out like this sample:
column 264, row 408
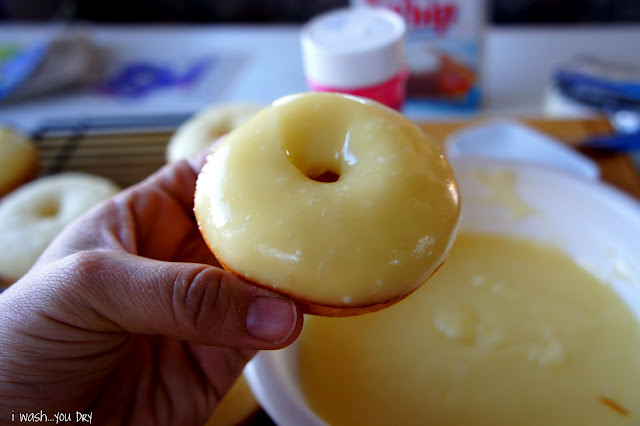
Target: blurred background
column 502, row 12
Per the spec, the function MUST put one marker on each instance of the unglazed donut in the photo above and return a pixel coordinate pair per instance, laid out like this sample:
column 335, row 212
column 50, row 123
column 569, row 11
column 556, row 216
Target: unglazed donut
column 32, row 216
column 199, row 132
column 18, row 160
column 338, row 202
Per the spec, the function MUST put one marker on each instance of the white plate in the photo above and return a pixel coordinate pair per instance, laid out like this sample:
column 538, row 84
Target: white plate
column 596, row 225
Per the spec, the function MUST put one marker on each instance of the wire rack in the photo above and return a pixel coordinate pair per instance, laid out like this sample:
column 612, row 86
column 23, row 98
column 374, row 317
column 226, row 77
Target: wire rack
column 124, row 150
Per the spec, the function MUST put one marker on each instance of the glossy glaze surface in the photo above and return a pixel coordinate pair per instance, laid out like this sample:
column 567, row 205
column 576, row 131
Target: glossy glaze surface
column 336, row 200
column 507, row 332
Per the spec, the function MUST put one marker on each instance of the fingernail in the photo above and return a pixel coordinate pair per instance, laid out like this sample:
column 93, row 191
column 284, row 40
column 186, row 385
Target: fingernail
column 271, row 320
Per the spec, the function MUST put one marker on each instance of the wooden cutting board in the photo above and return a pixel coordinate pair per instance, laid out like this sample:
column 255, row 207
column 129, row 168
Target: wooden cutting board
column 616, row 168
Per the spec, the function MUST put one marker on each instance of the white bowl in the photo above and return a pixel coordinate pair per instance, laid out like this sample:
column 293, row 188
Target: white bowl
column 596, row 225
column 511, row 140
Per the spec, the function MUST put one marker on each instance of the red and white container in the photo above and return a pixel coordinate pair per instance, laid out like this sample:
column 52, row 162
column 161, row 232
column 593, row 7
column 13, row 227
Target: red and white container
column 358, row 51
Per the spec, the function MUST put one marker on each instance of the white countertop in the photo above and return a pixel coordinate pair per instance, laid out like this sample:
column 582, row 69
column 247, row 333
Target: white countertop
column 264, row 63
column 519, row 61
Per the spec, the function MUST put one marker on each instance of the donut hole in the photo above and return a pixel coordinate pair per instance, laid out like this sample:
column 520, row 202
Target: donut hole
column 314, row 163
column 48, row 208
column 318, row 171
column 318, row 152
column 327, row 176
column 316, row 138
column 218, row 131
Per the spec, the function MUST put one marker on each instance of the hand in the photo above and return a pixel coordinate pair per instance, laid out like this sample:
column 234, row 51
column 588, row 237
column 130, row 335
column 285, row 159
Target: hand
column 112, row 319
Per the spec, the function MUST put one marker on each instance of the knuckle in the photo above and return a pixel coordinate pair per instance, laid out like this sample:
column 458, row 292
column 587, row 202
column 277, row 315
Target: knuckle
column 74, row 268
column 197, row 300
column 87, row 266
column 87, row 275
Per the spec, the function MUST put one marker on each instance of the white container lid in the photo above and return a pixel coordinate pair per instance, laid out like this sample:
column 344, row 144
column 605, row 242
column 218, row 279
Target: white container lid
column 353, row 47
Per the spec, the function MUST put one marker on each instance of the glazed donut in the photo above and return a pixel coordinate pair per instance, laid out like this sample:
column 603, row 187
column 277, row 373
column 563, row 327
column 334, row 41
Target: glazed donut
column 338, row 202
column 32, row 215
column 18, row 160
column 204, row 128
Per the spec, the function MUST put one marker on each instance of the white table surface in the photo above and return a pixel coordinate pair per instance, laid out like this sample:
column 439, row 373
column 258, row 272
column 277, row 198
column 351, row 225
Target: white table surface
column 518, row 62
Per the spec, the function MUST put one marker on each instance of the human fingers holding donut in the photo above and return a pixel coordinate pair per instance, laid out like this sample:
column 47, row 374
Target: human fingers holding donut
column 125, row 316
column 128, row 315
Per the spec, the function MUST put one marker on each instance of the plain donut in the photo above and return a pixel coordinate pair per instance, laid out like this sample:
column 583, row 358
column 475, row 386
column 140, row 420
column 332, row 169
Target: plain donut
column 199, row 132
column 18, row 160
column 32, row 215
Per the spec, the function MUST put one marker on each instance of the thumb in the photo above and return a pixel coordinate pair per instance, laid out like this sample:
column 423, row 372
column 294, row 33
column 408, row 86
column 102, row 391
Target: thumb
column 185, row 301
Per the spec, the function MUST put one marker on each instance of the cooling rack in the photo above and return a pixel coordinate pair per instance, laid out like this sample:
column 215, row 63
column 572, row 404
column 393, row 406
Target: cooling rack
column 122, row 149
